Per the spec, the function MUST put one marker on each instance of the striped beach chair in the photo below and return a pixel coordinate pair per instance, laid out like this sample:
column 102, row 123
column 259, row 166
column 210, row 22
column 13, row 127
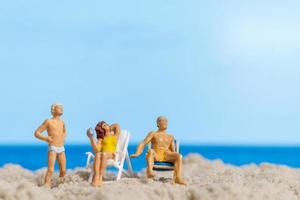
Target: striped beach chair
column 164, row 166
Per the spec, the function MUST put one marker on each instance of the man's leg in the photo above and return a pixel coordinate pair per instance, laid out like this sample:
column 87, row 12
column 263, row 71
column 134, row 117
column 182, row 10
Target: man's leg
column 61, row 158
column 176, row 158
column 97, row 162
column 51, row 162
column 150, row 161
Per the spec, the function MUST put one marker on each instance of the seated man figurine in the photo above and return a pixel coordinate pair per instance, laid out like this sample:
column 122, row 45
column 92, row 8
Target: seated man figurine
column 163, row 150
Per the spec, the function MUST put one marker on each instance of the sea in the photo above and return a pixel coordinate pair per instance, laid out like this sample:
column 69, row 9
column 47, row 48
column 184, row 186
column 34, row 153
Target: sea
column 34, row 157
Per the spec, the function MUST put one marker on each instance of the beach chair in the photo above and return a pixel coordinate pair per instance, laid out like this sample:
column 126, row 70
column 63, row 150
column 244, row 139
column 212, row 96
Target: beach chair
column 118, row 162
column 164, row 166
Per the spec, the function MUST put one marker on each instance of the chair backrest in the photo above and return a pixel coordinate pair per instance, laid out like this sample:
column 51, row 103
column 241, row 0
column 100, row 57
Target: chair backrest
column 122, row 144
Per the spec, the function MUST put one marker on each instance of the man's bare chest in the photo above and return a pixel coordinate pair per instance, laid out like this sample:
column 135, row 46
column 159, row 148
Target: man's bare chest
column 162, row 139
column 55, row 127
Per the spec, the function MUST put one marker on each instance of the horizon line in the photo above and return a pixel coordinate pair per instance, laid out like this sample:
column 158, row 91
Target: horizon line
column 181, row 143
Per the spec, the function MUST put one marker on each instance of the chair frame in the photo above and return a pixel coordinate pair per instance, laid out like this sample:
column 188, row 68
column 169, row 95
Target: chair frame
column 118, row 162
column 164, row 167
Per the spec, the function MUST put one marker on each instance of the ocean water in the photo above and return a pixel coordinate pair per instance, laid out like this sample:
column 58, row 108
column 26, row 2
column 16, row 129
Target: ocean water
column 35, row 157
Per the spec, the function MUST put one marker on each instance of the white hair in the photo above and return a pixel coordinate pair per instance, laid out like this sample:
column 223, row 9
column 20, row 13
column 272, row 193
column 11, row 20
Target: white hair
column 161, row 117
column 53, row 106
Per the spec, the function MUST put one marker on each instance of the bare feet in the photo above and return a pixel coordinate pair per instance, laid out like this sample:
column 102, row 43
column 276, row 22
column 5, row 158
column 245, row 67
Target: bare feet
column 95, row 183
column 99, row 184
column 180, row 181
column 47, row 185
column 150, row 174
column 61, row 180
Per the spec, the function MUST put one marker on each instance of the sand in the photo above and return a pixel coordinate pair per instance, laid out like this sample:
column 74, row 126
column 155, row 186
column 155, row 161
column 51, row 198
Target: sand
column 206, row 180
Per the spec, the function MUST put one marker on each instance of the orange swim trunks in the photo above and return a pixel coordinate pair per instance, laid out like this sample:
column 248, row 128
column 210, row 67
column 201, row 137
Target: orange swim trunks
column 160, row 155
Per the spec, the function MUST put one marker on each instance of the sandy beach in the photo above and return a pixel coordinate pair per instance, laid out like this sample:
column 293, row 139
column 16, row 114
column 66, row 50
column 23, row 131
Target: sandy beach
column 207, row 180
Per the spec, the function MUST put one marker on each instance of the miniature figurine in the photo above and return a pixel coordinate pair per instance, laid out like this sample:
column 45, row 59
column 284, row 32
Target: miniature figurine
column 55, row 139
column 104, row 148
column 163, row 150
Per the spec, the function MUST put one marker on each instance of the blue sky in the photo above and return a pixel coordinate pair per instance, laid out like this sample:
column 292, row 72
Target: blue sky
column 222, row 72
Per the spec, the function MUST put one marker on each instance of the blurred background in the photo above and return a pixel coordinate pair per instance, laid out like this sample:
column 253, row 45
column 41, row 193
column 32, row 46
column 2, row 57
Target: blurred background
column 225, row 73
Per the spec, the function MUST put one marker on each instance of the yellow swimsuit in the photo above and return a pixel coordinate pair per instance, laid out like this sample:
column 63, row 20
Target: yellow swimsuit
column 109, row 144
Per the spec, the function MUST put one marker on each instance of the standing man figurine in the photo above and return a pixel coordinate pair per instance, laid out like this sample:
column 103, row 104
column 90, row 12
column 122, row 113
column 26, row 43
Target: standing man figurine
column 162, row 150
column 55, row 139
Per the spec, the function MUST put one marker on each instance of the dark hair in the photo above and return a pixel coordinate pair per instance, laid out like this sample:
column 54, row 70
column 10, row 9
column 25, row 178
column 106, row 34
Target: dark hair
column 99, row 130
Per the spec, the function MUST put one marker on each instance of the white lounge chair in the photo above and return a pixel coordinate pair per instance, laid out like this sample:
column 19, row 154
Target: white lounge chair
column 164, row 166
column 118, row 162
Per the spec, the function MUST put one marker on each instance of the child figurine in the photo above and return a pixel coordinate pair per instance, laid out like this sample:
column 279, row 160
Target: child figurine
column 163, row 150
column 104, row 148
column 55, row 139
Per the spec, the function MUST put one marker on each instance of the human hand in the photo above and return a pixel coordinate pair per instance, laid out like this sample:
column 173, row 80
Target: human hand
column 135, row 155
column 49, row 140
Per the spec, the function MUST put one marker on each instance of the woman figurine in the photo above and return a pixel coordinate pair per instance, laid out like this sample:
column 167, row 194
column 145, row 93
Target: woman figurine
column 104, row 148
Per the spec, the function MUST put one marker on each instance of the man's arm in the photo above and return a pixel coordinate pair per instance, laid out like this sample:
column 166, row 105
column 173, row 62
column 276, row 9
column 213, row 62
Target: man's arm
column 64, row 130
column 172, row 146
column 38, row 133
column 142, row 145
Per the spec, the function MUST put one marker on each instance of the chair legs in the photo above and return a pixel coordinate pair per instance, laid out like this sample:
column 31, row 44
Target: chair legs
column 119, row 175
column 119, row 167
column 91, row 176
